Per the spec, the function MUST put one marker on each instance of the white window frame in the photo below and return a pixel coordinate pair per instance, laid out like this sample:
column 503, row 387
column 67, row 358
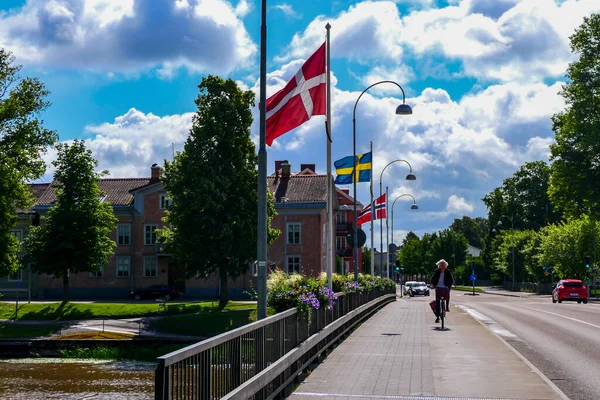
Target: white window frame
column 287, row 263
column 293, row 232
column 164, row 202
column 340, row 217
column 128, row 266
column 337, row 243
column 97, row 274
column 128, row 226
column 155, row 266
column 19, row 237
column 19, row 273
column 146, row 226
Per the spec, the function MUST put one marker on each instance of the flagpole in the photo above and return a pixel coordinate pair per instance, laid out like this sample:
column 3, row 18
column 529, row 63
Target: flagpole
column 329, row 224
column 261, row 245
column 373, row 217
column 387, row 234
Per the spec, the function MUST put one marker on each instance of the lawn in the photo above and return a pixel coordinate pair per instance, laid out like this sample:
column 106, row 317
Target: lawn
column 468, row 289
column 73, row 311
column 10, row 331
column 208, row 323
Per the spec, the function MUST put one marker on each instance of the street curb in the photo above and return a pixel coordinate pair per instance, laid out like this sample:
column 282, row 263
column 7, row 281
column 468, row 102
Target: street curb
column 505, row 294
column 525, row 360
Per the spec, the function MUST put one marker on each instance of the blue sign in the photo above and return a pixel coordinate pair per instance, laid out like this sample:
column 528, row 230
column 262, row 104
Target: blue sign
column 18, row 283
column 473, row 277
column 546, row 268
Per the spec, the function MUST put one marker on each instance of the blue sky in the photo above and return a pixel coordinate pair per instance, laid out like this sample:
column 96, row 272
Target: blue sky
column 482, row 77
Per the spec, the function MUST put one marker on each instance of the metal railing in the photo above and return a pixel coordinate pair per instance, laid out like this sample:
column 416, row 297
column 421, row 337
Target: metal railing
column 261, row 359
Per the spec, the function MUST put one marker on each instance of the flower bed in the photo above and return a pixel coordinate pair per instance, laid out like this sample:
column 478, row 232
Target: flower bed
column 287, row 291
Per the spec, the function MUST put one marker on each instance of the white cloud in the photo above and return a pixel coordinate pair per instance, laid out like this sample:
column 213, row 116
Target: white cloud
column 130, row 35
column 458, row 205
column 288, row 10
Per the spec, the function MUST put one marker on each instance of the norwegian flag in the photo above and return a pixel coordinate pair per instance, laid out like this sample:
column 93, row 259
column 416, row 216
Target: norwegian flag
column 300, row 99
column 380, row 211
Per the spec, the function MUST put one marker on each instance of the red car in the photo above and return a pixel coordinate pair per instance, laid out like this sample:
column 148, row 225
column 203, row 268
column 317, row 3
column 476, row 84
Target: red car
column 570, row 290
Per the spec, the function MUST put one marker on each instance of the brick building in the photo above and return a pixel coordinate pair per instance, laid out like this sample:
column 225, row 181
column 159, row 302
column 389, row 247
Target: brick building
column 139, row 205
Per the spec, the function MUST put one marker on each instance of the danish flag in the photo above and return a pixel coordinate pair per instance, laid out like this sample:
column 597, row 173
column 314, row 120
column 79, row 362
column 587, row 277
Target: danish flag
column 300, row 99
column 380, row 211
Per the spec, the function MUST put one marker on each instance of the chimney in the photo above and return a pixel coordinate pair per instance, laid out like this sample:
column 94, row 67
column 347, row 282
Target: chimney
column 278, row 164
column 312, row 167
column 155, row 173
column 346, row 190
column 285, row 169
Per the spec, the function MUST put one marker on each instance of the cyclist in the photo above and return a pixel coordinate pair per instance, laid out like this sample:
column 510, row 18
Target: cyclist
column 442, row 280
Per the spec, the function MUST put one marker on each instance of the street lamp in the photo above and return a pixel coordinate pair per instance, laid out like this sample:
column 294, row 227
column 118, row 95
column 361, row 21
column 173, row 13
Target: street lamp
column 409, row 177
column 512, row 233
column 402, row 109
column 414, row 206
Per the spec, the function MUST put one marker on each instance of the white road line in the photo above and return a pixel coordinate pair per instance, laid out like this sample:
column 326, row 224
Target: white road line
column 563, row 316
column 490, row 323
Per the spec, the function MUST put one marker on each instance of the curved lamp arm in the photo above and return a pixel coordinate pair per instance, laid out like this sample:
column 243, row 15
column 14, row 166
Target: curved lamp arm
column 402, row 195
column 390, row 163
column 375, row 84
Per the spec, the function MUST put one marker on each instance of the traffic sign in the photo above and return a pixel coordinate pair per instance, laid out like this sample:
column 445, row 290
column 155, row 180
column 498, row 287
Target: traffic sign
column 546, row 273
column 546, row 268
column 393, row 248
column 362, row 238
column 473, row 277
column 18, row 283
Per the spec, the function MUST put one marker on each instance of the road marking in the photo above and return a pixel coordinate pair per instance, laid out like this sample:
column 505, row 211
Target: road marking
column 105, row 330
column 490, row 323
column 522, row 357
column 563, row 316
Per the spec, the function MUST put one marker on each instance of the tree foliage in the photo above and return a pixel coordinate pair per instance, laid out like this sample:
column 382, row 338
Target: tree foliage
column 473, row 229
column 74, row 236
column 526, row 264
column 23, row 140
column 213, row 186
column 575, row 182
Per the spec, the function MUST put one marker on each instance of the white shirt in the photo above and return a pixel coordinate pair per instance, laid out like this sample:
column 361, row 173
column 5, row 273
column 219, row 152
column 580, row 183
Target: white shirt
column 440, row 283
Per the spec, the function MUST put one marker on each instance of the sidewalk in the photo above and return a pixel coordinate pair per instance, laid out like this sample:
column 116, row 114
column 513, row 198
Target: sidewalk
column 399, row 353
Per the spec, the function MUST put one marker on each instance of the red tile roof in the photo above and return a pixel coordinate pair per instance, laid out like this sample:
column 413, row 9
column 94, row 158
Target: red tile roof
column 37, row 190
column 116, row 191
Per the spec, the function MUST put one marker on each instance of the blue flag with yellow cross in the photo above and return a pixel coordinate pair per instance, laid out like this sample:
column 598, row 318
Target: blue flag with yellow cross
column 344, row 169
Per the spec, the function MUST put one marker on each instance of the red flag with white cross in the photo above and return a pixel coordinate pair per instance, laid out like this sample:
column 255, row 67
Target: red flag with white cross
column 300, row 99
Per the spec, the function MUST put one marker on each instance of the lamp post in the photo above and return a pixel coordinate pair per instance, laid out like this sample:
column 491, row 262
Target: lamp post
column 512, row 233
column 413, row 207
column 409, row 177
column 402, row 109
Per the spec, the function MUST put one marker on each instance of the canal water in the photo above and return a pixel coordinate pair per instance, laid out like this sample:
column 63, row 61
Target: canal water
column 34, row 379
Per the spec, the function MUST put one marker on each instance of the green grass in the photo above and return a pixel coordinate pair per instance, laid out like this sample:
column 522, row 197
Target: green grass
column 72, row 311
column 10, row 331
column 209, row 322
column 111, row 353
column 468, row 289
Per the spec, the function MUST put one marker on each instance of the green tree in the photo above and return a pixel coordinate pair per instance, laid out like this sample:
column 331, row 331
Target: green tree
column 564, row 246
column 74, row 236
column 23, row 140
column 366, row 260
column 474, row 229
column 410, row 255
column 213, row 185
column 526, row 263
column 575, row 181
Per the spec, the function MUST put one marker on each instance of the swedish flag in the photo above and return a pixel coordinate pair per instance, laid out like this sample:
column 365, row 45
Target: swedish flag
column 344, row 169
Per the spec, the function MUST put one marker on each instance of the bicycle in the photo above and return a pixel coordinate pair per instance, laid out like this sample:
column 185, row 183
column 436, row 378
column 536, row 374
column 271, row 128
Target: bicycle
column 442, row 309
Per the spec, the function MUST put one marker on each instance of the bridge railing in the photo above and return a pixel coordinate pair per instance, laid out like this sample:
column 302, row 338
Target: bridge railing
column 261, row 359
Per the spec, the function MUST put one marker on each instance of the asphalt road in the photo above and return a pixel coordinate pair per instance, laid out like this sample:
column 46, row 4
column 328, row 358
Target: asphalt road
column 561, row 340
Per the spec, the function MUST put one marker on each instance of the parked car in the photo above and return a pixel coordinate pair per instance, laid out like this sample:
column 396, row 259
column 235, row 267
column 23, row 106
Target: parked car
column 407, row 286
column 155, row 292
column 570, row 290
column 418, row 289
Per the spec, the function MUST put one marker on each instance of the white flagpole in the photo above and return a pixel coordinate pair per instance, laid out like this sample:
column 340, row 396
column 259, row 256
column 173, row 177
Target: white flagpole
column 373, row 216
column 329, row 223
column 387, row 234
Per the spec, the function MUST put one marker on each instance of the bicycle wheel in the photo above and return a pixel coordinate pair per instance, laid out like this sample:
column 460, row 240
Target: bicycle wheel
column 443, row 311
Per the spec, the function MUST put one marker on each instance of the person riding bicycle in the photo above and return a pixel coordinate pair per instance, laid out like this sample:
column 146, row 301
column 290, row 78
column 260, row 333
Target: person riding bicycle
column 442, row 280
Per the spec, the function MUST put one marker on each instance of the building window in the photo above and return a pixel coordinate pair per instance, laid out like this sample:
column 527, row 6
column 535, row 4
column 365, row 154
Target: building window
column 150, row 234
column 123, row 267
column 17, row 276
column 150, row 267
column 98, row 273
column 340, row 243
column 293, row 264
column 19, row 236
column 340, row 218
column 165, row 202
column 123, row 234
column 293, row 233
